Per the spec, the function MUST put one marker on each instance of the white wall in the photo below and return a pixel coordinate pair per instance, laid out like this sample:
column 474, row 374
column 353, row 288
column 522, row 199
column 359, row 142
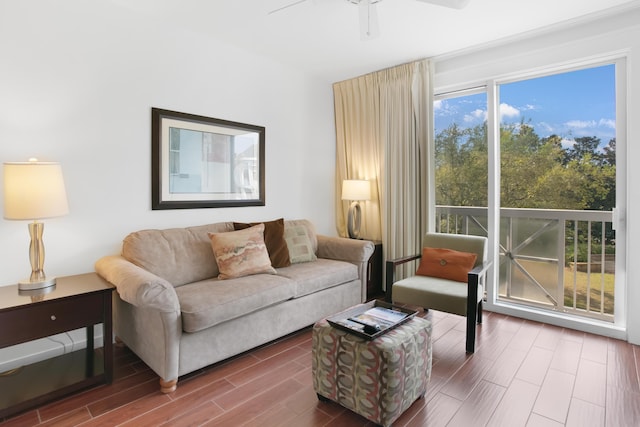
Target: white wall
column 604, row 38
column 77, row 83
column 78, row 80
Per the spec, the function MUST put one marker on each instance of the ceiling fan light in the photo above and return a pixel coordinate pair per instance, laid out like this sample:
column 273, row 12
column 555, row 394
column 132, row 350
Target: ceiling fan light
column 369, row 26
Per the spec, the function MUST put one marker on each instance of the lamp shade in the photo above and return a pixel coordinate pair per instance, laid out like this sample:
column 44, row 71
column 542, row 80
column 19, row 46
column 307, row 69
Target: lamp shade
column 356, row 189
column 34, row 190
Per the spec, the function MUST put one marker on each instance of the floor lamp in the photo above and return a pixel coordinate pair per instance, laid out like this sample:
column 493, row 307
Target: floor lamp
column 34, row 190
column 355, row 190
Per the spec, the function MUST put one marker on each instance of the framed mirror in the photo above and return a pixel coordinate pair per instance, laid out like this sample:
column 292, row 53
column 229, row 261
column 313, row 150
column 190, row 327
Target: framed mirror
column 202, row 162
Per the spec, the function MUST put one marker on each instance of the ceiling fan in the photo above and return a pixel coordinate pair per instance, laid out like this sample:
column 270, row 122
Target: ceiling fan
column 369, row 27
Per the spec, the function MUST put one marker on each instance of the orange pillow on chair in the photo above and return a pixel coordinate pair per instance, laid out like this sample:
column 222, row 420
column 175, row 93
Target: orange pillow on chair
column 446, row 264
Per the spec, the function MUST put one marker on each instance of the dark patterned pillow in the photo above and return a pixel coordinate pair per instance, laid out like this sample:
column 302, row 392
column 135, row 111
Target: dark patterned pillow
column 274, row 239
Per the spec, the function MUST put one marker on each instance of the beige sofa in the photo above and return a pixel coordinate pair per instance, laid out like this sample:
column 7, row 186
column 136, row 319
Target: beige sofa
column 174, row 312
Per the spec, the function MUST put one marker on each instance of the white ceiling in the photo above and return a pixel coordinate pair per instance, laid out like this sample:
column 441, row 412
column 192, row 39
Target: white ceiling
column 322, row 36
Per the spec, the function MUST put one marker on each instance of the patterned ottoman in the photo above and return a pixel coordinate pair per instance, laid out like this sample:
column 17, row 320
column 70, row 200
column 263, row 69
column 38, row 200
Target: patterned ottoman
column 378, row 379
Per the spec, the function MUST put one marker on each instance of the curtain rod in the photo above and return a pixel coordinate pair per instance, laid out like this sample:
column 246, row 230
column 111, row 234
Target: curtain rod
column 385, row 69
column 461, row 91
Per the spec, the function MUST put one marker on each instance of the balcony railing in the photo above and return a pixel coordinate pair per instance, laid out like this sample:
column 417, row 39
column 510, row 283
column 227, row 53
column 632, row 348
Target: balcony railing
column 560, row 260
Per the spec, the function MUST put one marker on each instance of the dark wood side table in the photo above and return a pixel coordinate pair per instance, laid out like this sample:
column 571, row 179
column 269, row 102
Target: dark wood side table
column 374, row 272
column 75, row 302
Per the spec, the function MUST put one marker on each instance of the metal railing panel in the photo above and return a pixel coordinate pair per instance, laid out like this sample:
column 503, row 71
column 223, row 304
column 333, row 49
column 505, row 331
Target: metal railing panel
column 540, row 260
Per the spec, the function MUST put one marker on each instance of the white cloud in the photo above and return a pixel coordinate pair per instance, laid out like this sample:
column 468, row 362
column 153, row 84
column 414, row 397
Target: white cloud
column 507, row 110
column 442, row 108
column 476, row 115
column 581, row 124
column 545, row 127
column 607, row 123
column 585, row 124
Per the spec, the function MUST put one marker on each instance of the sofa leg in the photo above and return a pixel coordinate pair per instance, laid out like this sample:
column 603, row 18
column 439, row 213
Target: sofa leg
column 168, row 386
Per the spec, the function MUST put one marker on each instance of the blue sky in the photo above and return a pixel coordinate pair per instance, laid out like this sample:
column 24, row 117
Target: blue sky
column 573, row 104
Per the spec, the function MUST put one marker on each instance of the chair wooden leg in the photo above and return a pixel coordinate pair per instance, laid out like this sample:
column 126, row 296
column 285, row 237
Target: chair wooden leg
column 471, row 331
column 474, row 312
column 480, row 312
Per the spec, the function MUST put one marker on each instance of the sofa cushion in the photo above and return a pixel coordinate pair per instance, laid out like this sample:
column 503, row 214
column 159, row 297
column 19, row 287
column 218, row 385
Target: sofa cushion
column 427, row 292
column 274, row 239
column 241, row 253
column 210, row 302
column 321, row 274
column 178, row 255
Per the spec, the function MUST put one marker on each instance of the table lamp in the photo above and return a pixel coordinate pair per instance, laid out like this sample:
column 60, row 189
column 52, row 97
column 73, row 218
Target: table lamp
column 355, row 190
column 34, row 190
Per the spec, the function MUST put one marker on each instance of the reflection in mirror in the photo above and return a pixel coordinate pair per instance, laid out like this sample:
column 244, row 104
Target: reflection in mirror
column 206, row 162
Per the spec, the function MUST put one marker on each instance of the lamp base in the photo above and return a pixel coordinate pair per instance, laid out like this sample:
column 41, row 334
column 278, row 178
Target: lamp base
column 353, row 220
column 28, row 285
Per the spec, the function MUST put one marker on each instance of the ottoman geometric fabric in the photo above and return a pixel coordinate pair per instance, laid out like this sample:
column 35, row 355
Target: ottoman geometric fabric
column 378, row 379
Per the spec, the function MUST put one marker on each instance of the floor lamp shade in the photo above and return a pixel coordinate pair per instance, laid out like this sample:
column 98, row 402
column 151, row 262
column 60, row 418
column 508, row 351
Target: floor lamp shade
column 355, row 190
column 34, row 190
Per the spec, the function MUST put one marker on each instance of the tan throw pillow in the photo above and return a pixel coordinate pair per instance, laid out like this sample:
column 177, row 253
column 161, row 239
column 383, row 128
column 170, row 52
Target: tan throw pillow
column 446, row 264
column 274, row 239
column 241, row 253
column 299, row 244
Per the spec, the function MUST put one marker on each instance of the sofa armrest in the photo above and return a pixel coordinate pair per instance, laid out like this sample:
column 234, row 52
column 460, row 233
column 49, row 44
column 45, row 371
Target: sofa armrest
column 344, row 249
column 137, row 286
column 356, row 252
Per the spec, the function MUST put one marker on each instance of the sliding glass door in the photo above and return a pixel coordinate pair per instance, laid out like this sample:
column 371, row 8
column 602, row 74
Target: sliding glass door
column 554, row 148
column 558, row 191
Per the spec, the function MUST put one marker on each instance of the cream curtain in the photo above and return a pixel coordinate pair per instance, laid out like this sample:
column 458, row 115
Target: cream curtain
column 384, row 130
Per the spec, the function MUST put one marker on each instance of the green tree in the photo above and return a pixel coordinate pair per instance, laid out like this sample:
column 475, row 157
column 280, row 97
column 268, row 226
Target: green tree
column 526, row 165
column 609, row 176
column 583, row 147
column 609, row 157
column 461, row 166
column 535, row 172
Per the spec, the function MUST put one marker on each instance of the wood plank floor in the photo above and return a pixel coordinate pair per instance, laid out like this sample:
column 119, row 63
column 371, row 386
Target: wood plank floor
column 522, row 374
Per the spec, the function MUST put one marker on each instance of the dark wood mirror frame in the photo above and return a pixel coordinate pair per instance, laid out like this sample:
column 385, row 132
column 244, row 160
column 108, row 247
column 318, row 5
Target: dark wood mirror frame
column 202, row 162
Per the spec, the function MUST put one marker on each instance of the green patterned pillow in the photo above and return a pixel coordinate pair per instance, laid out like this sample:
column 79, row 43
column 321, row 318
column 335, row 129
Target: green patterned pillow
column 299, row 244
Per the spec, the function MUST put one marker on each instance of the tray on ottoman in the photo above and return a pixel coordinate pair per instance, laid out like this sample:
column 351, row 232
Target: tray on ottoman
column 372, row 319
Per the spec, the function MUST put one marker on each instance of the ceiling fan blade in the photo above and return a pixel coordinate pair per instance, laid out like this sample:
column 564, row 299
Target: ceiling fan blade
column 453, row 4
column 286, row 6
column 369, row 27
